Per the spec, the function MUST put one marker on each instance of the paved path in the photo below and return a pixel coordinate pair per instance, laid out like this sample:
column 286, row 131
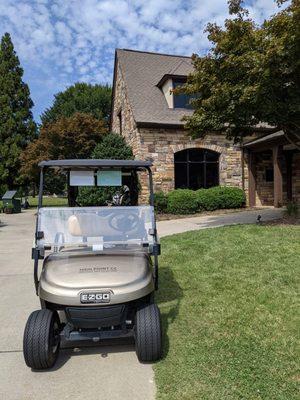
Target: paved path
column 110, row 372
column 166, row 228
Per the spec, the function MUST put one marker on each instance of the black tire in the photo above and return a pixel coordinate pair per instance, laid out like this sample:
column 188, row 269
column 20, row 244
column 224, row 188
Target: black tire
column 41, row 339
column 148, row 344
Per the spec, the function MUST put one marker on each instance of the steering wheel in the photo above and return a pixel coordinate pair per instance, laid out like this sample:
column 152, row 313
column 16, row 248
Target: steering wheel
column 123, row 222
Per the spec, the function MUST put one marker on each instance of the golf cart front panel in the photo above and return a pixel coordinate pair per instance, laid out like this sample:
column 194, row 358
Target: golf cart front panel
column 68, row 279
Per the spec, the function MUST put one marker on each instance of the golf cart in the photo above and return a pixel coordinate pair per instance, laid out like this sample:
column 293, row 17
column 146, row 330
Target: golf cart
column 100, row 265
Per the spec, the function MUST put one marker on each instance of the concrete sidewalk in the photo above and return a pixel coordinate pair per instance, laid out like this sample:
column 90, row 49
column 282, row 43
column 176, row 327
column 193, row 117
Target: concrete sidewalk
column 110, row 372
column 181, row 225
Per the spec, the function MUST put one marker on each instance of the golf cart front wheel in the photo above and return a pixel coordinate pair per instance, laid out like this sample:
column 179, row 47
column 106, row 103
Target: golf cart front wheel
column 41, row 339
column 148, row 333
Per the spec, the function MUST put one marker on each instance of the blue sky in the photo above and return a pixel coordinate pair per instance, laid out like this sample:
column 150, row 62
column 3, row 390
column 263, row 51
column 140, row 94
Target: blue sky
column 60, row 42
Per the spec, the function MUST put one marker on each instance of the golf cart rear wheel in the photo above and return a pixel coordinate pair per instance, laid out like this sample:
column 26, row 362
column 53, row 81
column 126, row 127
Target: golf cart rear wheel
column 148, row 333
column 41, row 339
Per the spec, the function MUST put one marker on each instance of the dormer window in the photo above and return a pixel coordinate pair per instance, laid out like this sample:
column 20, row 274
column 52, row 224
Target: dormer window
column 167, row 84
column 181, row 100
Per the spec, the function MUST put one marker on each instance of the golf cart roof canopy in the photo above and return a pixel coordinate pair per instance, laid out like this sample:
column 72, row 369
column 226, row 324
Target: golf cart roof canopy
column 92, row 163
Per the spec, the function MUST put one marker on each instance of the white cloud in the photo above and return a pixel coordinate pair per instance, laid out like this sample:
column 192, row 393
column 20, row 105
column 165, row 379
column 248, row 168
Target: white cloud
column 68, row 40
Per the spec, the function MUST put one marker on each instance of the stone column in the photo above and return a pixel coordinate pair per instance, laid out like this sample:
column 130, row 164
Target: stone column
column 251, row 178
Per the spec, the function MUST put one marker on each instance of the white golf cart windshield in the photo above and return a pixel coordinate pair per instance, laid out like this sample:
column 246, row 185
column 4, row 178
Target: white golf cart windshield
column 99, row 227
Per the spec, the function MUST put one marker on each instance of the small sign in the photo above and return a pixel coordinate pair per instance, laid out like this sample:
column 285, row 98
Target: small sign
column 82, row 178
column 109, row 178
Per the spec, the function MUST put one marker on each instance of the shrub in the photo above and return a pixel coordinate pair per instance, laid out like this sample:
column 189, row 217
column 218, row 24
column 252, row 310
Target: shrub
column 185, row 201
column 95, row 196
column 207, row 200
column 160, row 202
column 220, row 197
column 292, row 209
column 182, row 201
column 229, row 197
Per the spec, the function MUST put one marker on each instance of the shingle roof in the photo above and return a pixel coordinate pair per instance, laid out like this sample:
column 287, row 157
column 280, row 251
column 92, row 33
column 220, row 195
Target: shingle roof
column 265, row 138
column 142, row 71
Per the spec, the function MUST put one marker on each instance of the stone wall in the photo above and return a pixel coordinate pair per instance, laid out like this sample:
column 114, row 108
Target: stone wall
column 159, row 145
column 128, row 129
column 264, row 189
column 121, row 105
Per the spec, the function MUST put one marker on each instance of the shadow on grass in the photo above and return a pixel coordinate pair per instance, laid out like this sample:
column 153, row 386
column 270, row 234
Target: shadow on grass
column 169, row 297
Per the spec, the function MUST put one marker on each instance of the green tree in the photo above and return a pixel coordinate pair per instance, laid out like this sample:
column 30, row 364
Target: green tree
column 17, row 128
column 113, row 147
column 81, row 97
column 66, row 138
column 250, row 76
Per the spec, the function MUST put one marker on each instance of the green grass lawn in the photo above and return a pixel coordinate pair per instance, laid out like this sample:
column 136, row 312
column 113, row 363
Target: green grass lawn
column 48, row 201
column 229, row 299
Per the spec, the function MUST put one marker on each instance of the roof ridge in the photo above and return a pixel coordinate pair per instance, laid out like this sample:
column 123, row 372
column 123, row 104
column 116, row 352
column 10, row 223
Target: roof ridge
column 153, row 52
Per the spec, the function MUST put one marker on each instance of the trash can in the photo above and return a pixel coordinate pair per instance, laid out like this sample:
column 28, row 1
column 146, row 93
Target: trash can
column 9, row 203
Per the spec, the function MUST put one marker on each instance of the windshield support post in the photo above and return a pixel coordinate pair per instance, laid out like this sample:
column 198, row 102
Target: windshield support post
column 36, row 251
column 155, row 272
column 40, row 202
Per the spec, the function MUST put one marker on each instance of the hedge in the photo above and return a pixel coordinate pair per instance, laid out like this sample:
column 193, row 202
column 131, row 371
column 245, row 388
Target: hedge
column 207, row 200
column 182, row 201
column 185, row 201
column 220, row 197
column 160, row 202
column 230, row 197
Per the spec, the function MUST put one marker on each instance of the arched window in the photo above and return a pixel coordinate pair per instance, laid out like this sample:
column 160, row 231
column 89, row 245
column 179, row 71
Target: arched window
column 196, row 168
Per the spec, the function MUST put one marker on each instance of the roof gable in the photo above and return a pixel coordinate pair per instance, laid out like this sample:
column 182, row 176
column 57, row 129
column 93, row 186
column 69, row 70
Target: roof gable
column 141, row 72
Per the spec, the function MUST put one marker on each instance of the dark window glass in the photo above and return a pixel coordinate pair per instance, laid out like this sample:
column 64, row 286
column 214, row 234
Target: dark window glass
column 181, row 100
column 212, row 174
column 211, row 155
column 196, row 176
column 181, row 175
column 196, row 155
column 181, row 156
column 269, row 175
column 196, row 168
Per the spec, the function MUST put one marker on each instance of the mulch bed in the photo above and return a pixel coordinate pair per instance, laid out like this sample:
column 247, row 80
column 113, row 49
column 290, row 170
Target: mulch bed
column 286, row 220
